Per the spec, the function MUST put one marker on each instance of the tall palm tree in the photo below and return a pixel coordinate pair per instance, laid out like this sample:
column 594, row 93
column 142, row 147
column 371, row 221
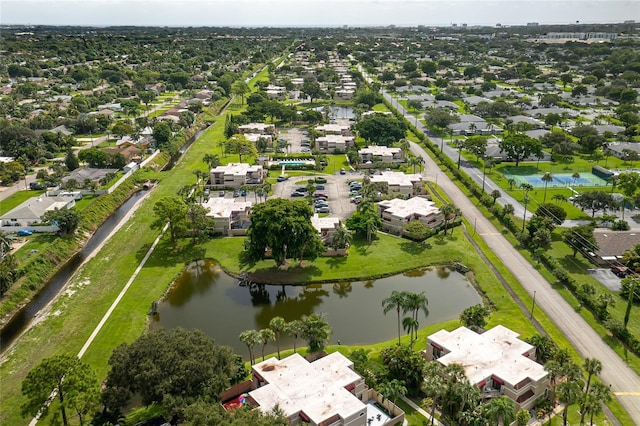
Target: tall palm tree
column 599, row 394
column 266, row 336
column 546, row 178
column 501, row 410
column 294, row 329
column 250, row 338
column 415, row 161
column 416, row 302
column 405, row 146
column 396, row 301
column 279, row 326
column 410, row 325
column 568, row 392
column 432, row 384
column 447, row 211
column 575, row 177
column 593, row 367
column 341, row 238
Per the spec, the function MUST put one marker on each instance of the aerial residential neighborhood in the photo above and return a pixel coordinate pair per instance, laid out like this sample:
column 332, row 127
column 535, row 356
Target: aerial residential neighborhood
column 375, row 224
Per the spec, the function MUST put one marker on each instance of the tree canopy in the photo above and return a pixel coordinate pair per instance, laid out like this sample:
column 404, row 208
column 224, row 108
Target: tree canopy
column 381, row 129
column 284, row 227
column 174, row 367
column 520, row 146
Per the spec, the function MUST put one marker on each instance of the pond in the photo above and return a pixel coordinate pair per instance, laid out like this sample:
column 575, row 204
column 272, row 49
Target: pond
column 336, row 112
column 205, row 297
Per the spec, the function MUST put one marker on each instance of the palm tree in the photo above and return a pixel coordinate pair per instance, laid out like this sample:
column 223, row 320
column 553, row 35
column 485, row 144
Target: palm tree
column 392, row 390
column 558, row 198
column 495, row 194
column 416, row 302
column 405, row 146
column 341, row 238
column 545, row 347
column 511, row 182
column 294, row 329
column 250, row 338
column 632, row 291
column 593, row 367
column 447, row 211
column 415, row 162
column 396, row 301
column 279, row 326
column 526, row 187
column 501, row 410
column 433, row 384
column 575, row 177
column 266, row 336
column 599, row 394
column 212, row 160
column 568, row 392
column 546, row 178
column 410, row 325
column 316, row 331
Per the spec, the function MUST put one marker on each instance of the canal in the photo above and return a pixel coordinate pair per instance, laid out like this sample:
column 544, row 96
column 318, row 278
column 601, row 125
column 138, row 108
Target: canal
column 205, row 297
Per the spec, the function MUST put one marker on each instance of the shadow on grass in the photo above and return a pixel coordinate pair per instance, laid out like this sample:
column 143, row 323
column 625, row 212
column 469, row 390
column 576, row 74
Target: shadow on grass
column 165, row 254
column 336, row 261
column 414, row 248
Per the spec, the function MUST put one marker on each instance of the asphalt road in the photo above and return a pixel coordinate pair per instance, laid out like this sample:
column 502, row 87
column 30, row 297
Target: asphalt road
column 586, row 341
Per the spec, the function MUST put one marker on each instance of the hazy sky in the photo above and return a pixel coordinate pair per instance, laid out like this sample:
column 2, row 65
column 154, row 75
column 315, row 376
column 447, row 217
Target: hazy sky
column 314, row 12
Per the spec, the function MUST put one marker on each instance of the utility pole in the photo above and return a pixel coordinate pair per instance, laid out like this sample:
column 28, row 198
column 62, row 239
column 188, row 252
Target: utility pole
column 533, row 305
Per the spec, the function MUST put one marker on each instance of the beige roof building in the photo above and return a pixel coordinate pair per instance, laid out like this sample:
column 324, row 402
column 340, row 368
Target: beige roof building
column 230, row 216
column 234, row 175
column 326, row 391
column 496, row 361
column 394, row 183
column 397, row 213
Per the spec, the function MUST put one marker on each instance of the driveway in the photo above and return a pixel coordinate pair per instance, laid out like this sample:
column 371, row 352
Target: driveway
column 295, row 137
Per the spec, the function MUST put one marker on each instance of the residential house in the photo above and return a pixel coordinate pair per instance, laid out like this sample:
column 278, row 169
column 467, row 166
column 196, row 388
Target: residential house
column 383, row 154
column 496, row 361
column 397, row 213
column 344, row 94
column 533, row 122
column 129, row 152
column 327, row 227
column 234, row 175
column 334, row 143
column 398, row 183
column 32, row 210
column 229, row 216
column 111, row 106
column 94, row 175
column 324, row 392
column 620, row 149
column 62, row 129
column 612, row 245
column 277, row 93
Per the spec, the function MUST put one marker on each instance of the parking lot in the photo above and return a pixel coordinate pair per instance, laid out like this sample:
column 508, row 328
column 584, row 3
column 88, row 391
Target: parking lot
column 295, row 137
column 336, row 189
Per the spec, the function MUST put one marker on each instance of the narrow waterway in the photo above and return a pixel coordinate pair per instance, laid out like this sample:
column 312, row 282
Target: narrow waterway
column 22, row 320
column 206, row 298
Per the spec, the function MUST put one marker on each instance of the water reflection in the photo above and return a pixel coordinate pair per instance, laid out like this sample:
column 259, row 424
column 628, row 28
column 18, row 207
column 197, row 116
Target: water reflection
column 205, row 297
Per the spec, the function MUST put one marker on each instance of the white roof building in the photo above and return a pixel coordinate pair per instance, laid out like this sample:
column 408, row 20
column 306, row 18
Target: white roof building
column 230, row 216
column 383, row 153
column 336, row 129
column 398, row 182
column 496, row 361
column 316, row 392
column 397, row 213
column 234, row 175
column 32, row 210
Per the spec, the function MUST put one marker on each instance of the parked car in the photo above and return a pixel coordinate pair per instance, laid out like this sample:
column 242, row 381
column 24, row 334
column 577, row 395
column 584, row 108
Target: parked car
column 236, row 193
column 305, row 149
column 282, row 178
column 207, row 192
column 343, row 171
column 301, row 189
column 297, row 194
column 620, row 271
column 321, row 203
column 321, row 199
column 320, row 195
column 322, row 209
column 320, row 187
column 356, row 199
column 221, row 194
column 36, row 185
column 321, row 180
column 24, row 233
column 354, row 192
column 243, row 192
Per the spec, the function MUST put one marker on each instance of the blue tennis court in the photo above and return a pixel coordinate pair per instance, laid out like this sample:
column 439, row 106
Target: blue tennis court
column 559, row 180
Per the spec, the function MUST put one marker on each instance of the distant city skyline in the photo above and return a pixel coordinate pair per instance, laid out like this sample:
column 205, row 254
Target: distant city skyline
column 314, row 13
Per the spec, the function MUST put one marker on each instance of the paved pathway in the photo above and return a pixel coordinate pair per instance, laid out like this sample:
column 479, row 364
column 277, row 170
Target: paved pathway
column 421, row 411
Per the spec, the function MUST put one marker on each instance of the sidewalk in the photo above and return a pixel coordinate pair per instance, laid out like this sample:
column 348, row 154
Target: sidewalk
column 421, row 411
